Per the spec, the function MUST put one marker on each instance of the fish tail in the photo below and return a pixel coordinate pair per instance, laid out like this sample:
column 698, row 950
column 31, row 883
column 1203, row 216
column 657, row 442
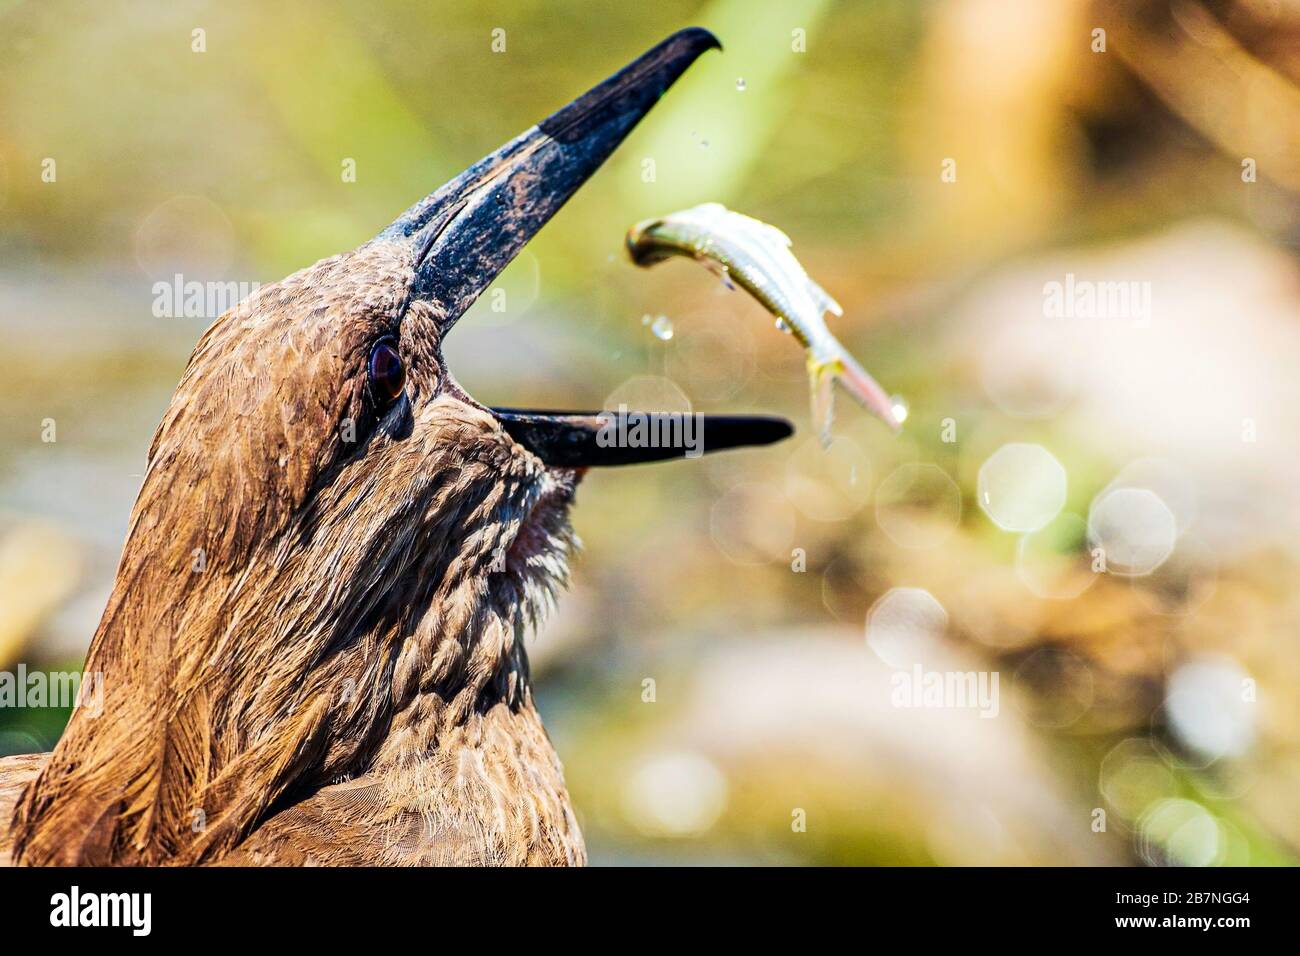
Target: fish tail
column 867, row 390
column 840, row 366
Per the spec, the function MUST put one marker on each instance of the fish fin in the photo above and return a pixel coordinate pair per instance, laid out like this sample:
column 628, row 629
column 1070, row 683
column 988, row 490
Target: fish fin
column 708, row 213
column 824, row 300
column 717, row 268
column 821, row 377
column 774, row 234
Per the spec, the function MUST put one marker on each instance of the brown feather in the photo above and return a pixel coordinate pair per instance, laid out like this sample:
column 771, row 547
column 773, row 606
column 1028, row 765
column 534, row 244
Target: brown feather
column 346, row 621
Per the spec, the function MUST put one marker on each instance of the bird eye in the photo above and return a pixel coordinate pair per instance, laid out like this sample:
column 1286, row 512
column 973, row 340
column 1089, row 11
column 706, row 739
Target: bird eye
column 387, row 373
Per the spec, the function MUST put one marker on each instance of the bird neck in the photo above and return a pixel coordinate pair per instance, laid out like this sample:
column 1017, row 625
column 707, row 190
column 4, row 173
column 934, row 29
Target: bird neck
column 225, row 700
column 489, row 790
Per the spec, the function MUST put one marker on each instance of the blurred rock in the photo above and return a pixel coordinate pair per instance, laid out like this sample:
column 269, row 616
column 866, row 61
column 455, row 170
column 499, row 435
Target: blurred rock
column 39, row 568
column 804, row 725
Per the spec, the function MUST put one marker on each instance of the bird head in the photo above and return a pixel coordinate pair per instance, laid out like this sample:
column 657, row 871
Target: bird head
column 336, row 549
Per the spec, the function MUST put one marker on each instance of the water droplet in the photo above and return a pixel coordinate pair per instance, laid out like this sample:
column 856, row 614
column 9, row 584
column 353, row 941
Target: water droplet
column 662, row 327
column 740, row 84
column 898, row 405
column 783, row 325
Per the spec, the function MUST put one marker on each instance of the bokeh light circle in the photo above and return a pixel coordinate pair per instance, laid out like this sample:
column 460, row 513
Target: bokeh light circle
column 828, row 483
column 713, row 355
column 648, row 393
column 1171, row 482
column 753, row 523
column 1133, row 776
column 1176, row 832
column 1209, row 708
column 1054, row 561
column 904, row 624
column 674, row 795
column 918, row 505
column 1134, row 528
column 1021, row 487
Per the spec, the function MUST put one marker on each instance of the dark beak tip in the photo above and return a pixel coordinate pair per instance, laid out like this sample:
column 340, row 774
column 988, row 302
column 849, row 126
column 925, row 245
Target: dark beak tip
column 675, row 55
column 765, row 431
column 696, row 38
column 463, row 234
column 574, row 439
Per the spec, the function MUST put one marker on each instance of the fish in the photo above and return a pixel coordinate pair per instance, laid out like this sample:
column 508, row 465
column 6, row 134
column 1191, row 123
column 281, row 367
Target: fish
column 756, row 255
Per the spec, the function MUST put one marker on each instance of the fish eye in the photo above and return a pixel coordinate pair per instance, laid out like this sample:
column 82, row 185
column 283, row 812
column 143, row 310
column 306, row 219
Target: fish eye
column 387, row 372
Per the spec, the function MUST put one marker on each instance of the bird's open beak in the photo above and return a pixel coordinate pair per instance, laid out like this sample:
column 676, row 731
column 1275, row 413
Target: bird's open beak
column 466, row 232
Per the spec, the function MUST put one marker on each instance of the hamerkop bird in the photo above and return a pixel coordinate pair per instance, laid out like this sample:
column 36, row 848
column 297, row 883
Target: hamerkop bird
column 313, row 651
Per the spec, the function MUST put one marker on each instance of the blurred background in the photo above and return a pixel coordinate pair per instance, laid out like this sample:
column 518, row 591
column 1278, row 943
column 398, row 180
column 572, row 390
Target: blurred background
column 1064, row 231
